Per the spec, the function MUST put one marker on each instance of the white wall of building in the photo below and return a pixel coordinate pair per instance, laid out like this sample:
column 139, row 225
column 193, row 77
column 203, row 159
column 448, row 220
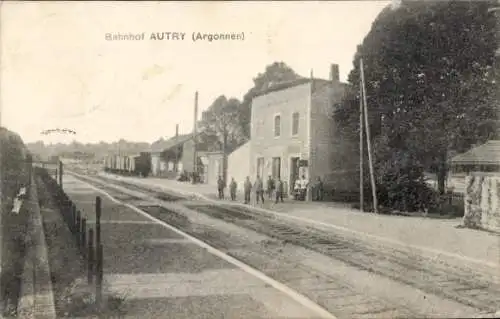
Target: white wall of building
column 239, row 165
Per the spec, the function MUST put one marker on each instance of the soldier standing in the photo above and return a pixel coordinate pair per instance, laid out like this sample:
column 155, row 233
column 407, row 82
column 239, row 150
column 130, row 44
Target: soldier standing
column 270, row 187
column 319, row 189
column 232, row 189
column 247, row 188
column 220, row 187
column 279, row 190
column 259, row 189
column 303, row 183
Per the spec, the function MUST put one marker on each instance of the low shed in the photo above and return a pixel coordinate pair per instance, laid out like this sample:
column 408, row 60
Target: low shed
column 482, row 185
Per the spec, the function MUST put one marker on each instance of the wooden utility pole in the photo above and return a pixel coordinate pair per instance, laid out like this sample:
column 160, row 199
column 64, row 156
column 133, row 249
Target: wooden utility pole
column 195, row 162
column 176, row 149
column 367, row 127
column 61, row 174
column 361, row 155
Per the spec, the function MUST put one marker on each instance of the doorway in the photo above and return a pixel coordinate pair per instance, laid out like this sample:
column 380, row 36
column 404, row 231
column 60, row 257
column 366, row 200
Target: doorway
column 276, row 168
column 294, row 172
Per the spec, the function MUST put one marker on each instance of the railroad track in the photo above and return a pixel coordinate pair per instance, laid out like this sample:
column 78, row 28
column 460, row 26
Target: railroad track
column 454, row 283
column 432, row 277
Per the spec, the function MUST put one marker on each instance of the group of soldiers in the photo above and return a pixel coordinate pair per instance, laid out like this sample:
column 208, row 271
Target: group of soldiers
column 273, row 187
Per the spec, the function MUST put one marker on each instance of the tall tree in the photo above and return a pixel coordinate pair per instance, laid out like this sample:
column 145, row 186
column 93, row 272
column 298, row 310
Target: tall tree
column 220, row 125
column 429, row 80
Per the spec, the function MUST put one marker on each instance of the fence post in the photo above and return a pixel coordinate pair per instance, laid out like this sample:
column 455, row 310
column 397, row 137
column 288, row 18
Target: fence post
column 99, row 276
column 73, row 217
column 60, row 174
column 30, row 173
column 98, row 221
column 90, row 257
column 77, row 228
column 83, row 235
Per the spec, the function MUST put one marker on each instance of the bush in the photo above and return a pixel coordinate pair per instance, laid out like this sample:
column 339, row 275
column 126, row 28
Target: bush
column 401, row 185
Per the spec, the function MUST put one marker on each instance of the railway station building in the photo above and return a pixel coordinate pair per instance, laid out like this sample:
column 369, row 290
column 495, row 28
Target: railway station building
column 293, row 133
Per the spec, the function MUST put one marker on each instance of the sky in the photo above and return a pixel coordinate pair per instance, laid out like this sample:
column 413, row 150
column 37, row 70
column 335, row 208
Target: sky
column 58, row 70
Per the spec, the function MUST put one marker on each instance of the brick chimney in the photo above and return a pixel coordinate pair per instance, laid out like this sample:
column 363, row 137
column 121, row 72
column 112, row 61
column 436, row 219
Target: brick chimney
column 334, row 72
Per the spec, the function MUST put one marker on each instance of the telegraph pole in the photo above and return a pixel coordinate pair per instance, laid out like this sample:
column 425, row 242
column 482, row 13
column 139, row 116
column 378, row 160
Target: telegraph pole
column 195, row 162
column 367, row 127
column 361, row 155
column 176, row 165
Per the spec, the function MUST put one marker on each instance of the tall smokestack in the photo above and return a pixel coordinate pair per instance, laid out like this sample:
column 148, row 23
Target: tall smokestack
column 195, row 112
column 195, row 156
column 334, row 72
column 176, row 163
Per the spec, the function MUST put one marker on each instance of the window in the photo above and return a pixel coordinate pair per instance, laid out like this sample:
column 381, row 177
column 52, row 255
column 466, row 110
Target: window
column 277, row 125
column 260, row 166
column 276, row 172
column 295, row 123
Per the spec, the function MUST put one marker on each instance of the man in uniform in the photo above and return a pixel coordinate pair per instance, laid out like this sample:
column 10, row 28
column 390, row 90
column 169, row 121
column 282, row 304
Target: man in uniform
column 303, row 187
column 259, row 189
column 270, row 187
column 318, row 189
column 247, row 188
column 279, row 190
column 220, row 187
column 232, row 189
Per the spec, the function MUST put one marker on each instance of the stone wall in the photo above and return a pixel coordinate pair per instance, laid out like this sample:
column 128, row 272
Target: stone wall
column 482, row 195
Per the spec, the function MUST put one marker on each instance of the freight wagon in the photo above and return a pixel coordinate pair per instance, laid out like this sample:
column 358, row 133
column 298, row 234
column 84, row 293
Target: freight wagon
column 138, row 165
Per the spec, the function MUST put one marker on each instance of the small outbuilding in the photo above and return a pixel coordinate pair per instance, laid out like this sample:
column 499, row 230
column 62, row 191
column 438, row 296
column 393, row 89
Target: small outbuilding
column 481, row 164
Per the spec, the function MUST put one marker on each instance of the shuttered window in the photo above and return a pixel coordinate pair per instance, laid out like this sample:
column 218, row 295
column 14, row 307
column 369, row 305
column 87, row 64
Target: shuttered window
column 295, row 123
column 277, row 125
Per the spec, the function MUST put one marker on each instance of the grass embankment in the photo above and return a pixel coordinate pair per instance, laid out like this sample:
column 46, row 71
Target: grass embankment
column 13, row 227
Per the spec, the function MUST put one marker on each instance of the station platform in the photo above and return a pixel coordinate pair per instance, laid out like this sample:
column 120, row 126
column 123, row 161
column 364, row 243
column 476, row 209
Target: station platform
column 161, row 274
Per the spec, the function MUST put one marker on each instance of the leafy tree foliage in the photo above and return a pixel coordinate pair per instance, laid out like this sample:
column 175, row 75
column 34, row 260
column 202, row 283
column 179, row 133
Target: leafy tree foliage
column 220, row 127
column 220, row 124
column 12, row 162
column 430, row 85
column 87, row 151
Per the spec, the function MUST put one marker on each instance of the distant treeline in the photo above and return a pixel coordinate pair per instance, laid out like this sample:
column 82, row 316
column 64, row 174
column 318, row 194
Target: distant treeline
column 88, row 151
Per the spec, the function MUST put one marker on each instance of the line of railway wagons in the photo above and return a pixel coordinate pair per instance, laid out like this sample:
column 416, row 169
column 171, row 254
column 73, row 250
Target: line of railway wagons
column 138, row 165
